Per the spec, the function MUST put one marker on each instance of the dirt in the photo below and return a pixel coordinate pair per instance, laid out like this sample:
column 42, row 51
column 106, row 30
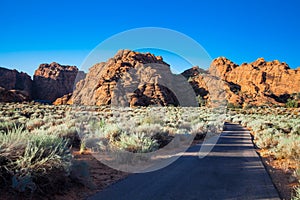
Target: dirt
column 281, row 172
column 101, row 175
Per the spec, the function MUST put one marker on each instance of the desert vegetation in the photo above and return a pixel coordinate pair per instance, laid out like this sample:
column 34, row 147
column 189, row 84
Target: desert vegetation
column 36, row 140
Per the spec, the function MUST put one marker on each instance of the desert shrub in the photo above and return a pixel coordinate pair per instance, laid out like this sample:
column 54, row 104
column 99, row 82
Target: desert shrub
column 7, row 125
column 198, row 128
column 136, row 143
column 109, row 132
column 296, row 129
column 66, row 132
column 236, row 119
column 296, row 195
column 288, row 147
column 33, row 161
column 46, row 160
column 96, row 123
column 149, row 129
column 34, row 123
column 13, row 142
column 201, row 101
column 44, row 152
column 151, row 120
column 267, row 138
column 256, row 125
column 233, row 106
column 291, row 103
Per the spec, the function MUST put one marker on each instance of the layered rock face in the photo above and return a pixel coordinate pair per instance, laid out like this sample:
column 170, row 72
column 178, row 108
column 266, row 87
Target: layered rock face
column 14, row 80
column 51, row 81
column 257, row 83
column 130, row 79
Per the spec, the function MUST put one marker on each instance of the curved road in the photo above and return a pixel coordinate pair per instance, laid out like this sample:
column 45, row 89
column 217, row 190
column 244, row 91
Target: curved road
column 232, row 170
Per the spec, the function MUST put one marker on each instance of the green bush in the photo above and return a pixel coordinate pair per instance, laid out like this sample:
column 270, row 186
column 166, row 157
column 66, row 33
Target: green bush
column 291, row 103
column 233, row 106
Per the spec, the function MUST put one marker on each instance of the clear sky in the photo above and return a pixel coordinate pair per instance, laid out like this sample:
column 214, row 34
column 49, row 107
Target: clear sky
column 65, row 31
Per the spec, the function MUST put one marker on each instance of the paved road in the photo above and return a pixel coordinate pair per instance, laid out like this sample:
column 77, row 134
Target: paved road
column 232, row 170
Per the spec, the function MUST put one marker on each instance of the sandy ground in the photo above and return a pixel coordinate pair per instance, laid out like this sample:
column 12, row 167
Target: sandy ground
column 281, row 172
column 101, row 175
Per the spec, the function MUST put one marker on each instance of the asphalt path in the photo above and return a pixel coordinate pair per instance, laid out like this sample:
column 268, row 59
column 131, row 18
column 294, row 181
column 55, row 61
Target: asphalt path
column 232, row 170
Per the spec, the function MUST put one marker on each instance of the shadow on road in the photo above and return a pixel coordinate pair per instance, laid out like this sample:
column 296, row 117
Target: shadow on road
column 232, row 170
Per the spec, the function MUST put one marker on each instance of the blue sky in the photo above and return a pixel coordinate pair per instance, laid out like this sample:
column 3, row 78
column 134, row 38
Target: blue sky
column 34, row 32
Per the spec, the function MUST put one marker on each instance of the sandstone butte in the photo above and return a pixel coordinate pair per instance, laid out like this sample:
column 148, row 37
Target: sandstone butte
column 256, row 83
column 142, row 79
column 14, row 86
column 50, row 81
column 259, row 82
column 132, row 79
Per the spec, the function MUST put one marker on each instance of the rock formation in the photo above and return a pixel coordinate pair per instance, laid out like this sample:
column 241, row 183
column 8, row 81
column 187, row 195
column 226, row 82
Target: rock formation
column 142, row 79
column 195, row 77
column 51, row 81
column 17, row 81
column 257, row 83
column 13, row 95
column 208, row 88
column 64, row 100
column 131, row 78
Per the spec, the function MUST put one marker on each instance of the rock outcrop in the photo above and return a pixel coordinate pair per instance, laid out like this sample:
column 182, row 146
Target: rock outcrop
column 257, row 83
column 13, row 95
column 131, row 78
column 17, row 81
column 141, row 79
column 195, row 77
column 208, row 88
column 51, row 81
column 64, row 100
